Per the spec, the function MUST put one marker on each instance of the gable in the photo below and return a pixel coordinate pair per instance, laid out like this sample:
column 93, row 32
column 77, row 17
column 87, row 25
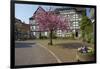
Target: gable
column 38, row 10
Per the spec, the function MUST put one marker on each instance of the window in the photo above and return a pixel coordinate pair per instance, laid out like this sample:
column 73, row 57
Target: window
column 75, row 25
column 33, row 28
column 34, row 33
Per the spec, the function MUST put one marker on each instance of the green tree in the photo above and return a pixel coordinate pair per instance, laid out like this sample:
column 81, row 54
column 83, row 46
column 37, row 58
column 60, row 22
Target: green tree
column 86, row 27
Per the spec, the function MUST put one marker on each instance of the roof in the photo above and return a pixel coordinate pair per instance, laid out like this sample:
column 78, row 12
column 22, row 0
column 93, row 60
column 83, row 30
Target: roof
column 78, row 9
column 17, row 20
column 62, row 9
column 31, row 18
column 38, row 9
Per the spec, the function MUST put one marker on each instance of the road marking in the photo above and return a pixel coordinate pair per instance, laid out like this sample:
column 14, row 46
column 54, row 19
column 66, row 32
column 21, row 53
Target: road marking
column 58, row 60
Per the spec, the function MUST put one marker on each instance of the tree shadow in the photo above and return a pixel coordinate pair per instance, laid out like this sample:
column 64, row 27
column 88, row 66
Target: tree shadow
column 24, row 45
column 73, row 45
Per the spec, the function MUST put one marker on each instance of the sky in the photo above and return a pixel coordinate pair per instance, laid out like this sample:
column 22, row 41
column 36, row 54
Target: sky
column 25, row 11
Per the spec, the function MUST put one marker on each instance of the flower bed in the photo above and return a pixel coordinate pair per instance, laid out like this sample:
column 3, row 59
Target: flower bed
column 85, row 54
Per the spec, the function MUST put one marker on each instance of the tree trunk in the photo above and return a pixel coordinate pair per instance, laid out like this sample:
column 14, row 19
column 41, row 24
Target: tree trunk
column 51, row 37
column 40, row 35
column 84, row 39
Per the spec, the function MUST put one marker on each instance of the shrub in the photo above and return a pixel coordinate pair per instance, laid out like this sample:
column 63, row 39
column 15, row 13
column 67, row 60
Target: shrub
column 44, row 37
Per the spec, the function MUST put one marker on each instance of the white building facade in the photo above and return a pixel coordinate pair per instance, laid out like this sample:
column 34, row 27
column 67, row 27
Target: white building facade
column 73, row 15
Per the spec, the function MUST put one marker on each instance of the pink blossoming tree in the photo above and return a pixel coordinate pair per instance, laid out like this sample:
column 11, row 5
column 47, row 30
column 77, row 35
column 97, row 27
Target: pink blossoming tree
column 50, row 21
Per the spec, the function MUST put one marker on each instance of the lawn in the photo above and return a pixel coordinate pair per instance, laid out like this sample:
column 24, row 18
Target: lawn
column 63, row 48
